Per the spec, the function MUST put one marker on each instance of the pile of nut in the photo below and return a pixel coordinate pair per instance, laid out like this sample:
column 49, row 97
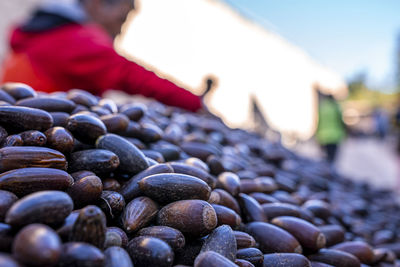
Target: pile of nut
column 87, row 182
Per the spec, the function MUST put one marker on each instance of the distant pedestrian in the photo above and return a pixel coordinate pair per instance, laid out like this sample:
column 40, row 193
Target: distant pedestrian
column 330, row 130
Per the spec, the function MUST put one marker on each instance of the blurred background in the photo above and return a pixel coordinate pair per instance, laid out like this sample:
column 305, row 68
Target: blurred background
column 272, row 63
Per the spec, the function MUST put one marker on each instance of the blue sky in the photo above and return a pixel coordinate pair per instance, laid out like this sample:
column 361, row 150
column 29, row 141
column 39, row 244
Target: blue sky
column 346, row 36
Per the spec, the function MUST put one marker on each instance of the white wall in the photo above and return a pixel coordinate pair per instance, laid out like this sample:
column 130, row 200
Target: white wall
column 188, row 40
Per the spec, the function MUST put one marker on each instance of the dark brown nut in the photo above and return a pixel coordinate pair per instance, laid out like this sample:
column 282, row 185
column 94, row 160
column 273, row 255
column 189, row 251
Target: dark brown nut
column 80, row 254
column 111, row 184
column 170, row 152
column 117, row 257
column 131, row 132
column 131, row 158
column 149, row 133
column 80, row 109
column 131, row 189
column 361, row 250
column 229, row 181
column 273, row 210
column 335, row 258
column 170, row 187
column 222, row 241
column 309, row 236
column 334, row 234
column 86, row 190
column 194, row 171
column 12, row 140
column 27, row 156
column 37, row 245
column 28, row 180
column 271, row 238
column 212, row 259
column 150, row 251
column 173, row 237
column 33, row 138
column 198, row 163
column 60, row 139
column 22, row 118
column 200, row 150
column 134, row 113
column 80, row 174
column 48, row 207
column 4, row 96
column 115, row 237
column 138, row 214
column 157, row 156
column 115, row 123
column 66, row 228
column 191, row 217
column 286, row 259
column 89, row 227
column 244, row 240
column 18, row 90
column 215, row 165
column 226, row 216
column 59, row 118
column 7, row 199
column 100, row 111
column 263, row 198
column 225, row 199
column 112, row 203
column 99, row 161
column 6, row 237
column 86, row 128
column 243, row 263
column 251, row 209
column 260, row 184
column 6, row 260
column 82, row 97
column 253, row 255
column 49, row 104
column 319, row 208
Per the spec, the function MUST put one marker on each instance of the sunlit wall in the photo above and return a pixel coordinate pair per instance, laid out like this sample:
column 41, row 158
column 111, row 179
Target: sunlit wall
column 188, row 40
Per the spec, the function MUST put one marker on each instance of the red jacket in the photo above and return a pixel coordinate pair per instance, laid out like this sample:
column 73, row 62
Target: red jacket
column 82, row 56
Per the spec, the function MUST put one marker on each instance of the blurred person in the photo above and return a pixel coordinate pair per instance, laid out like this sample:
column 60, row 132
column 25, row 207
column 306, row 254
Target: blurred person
column 330, row 129
column 381, row 121
column 69, row 44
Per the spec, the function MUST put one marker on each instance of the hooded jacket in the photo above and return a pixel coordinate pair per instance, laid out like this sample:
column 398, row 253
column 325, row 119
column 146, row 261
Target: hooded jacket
column 57, row 52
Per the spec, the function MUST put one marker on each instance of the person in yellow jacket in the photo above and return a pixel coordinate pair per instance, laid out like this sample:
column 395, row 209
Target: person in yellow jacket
column 331, row 130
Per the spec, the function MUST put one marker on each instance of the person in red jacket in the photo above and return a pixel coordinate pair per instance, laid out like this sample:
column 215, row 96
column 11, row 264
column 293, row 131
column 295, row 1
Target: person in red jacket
column 69, row 44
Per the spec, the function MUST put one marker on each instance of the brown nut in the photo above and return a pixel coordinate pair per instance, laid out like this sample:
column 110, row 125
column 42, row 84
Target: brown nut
column 309, row 236
column 48, row 207
column 150, row 251
column 335, row 258
column 191, row 217
column 172, row 236
column 212, row 259
column 89, row 227
column 251, row 209
column 222, row 241
column 33, row 138
column 28, row 180
column 7, row 199
column 22, row 118
column 28, row 156
column 138, row 213
column 226, row 216
column 86, row 190
column 80, row 254
column 271, row 238
column 60, row 139
column 117, row 257
column 37, row 245
column 170, row 187
column 49, row 104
